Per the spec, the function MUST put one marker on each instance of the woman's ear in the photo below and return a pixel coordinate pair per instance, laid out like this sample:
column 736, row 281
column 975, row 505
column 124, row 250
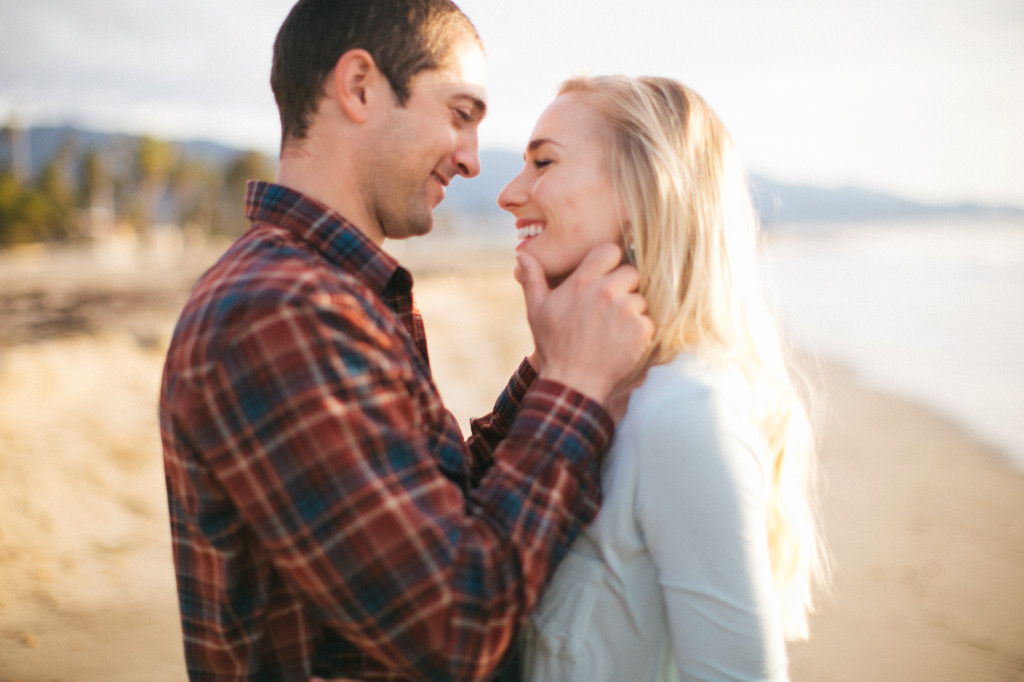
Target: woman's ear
column 354, row 77
column 628, row 242
column 624, row 217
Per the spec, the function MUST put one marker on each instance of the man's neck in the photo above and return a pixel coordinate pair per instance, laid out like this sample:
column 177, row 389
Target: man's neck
column 308, row 169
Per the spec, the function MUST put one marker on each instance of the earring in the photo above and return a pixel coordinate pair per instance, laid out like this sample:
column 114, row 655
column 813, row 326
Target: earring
column 631, row 254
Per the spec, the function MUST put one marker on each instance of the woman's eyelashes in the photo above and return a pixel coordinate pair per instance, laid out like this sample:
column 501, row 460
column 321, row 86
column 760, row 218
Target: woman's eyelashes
column 541, row 163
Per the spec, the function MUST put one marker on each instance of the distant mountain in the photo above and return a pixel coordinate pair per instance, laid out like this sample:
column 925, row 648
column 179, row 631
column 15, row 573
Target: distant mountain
column 775, row 202
column 778, row 203
column 41, row 144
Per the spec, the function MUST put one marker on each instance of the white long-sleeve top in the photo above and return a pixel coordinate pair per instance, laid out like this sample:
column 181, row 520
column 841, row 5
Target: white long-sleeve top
column 672, row 580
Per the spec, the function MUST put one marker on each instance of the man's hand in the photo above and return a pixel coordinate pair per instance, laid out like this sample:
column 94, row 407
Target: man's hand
column 591, row 330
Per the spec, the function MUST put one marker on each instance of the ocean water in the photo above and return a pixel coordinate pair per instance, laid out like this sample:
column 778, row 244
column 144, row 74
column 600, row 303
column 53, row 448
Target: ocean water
column 929, row 311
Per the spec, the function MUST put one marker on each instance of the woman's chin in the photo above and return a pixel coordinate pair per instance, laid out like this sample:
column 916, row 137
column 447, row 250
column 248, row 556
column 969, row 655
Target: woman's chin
column 555, row 272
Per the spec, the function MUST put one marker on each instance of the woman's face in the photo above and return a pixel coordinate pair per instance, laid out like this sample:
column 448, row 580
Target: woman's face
column 563, row 199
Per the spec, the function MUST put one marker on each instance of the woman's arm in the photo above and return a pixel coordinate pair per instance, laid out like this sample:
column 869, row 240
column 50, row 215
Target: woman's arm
column 701, row 502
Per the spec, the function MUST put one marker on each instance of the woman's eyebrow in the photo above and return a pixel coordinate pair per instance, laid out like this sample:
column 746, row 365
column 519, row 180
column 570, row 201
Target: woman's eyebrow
column 540, row 142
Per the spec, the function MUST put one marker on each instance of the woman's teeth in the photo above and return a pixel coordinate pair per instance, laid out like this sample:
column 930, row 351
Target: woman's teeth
column 529, row 231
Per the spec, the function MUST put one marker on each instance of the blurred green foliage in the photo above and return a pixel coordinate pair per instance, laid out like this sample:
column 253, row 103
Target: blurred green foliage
column 133, row 182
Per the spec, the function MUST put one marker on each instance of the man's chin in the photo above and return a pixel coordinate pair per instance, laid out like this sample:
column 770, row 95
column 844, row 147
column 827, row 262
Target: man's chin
column 411, row 228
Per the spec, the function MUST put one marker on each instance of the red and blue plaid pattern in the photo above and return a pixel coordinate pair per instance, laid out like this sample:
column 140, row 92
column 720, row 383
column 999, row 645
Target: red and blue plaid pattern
column 327, row 515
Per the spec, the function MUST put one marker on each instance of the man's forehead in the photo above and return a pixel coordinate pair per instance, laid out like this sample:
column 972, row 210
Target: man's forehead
column 464, row 75
column 466, row 67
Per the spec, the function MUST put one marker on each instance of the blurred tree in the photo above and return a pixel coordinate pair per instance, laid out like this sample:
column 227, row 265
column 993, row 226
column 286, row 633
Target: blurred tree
column 195, row 187
column 87, row 187
column 249, row 165
column 95, row 196
column 38, row 212
column 17, row 145
column 27, row 214
column 55, row 188
column 93, row 177
column 153, row 164
column 11, row 226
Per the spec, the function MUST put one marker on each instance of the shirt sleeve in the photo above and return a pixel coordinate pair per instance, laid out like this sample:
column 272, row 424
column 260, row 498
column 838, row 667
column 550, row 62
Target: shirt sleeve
column 701, row 503
column 314, row 430
column 490, row 430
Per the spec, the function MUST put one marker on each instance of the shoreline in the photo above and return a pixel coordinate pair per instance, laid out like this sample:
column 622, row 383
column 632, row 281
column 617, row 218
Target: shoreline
column 928, row 310
column 925, row 527
column 815, row 363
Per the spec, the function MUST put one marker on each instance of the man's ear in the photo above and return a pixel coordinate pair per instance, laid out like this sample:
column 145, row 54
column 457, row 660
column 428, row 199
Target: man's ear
column 355, row 79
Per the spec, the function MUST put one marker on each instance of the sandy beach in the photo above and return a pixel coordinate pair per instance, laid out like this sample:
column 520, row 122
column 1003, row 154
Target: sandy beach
column 925, row 525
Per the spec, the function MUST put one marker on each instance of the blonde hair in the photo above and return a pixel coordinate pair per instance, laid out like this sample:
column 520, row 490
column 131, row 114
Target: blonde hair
column 693, row 232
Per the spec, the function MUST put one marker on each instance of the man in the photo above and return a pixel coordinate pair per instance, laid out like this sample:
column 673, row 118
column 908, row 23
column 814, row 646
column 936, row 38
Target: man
column 327, row 516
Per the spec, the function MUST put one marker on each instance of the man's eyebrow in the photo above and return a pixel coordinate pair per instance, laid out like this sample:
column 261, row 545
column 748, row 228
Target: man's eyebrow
column 479, row 106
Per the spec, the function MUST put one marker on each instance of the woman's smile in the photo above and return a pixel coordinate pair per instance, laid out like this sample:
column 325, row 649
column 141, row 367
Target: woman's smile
column 563, row 199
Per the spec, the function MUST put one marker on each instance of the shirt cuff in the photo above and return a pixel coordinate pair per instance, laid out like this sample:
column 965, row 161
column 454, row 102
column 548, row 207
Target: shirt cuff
column 507, row 405
column 576, row 426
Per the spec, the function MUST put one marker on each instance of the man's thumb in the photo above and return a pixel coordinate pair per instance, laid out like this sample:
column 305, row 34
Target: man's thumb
column 530, row 275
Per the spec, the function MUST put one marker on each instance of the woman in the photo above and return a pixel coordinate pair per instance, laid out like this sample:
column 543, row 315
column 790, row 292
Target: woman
column 702, row 559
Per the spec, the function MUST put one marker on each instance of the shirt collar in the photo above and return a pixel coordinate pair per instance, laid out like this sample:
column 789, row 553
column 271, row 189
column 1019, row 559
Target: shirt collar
column 328, row 232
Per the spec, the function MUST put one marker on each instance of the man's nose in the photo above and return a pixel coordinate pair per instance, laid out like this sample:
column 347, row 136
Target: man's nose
column 467, row 157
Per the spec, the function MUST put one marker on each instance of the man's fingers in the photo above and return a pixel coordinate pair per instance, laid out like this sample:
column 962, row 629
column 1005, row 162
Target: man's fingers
column 624, row 278
column 638, row 304
column 599, row 261
column 591, row 330
column 530, row 275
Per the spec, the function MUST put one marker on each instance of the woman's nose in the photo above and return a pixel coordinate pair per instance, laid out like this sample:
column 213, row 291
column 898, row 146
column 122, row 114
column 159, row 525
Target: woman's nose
column 513, row 195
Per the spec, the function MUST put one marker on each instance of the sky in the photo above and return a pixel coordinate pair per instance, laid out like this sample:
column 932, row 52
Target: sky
column 924, row 99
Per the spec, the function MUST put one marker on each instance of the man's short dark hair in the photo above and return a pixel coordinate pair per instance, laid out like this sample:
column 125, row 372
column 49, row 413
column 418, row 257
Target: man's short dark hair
column 403, row 36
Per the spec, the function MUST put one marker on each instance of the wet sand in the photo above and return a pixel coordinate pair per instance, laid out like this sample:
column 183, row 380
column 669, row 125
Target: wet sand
column 925, row 525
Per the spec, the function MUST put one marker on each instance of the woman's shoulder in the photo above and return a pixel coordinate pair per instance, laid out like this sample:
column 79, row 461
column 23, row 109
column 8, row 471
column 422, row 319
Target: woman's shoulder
column 692, row 410
column 688, row 385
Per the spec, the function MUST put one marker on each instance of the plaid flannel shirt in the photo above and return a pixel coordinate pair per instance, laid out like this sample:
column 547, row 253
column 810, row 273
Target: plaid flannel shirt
column 327, row 515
